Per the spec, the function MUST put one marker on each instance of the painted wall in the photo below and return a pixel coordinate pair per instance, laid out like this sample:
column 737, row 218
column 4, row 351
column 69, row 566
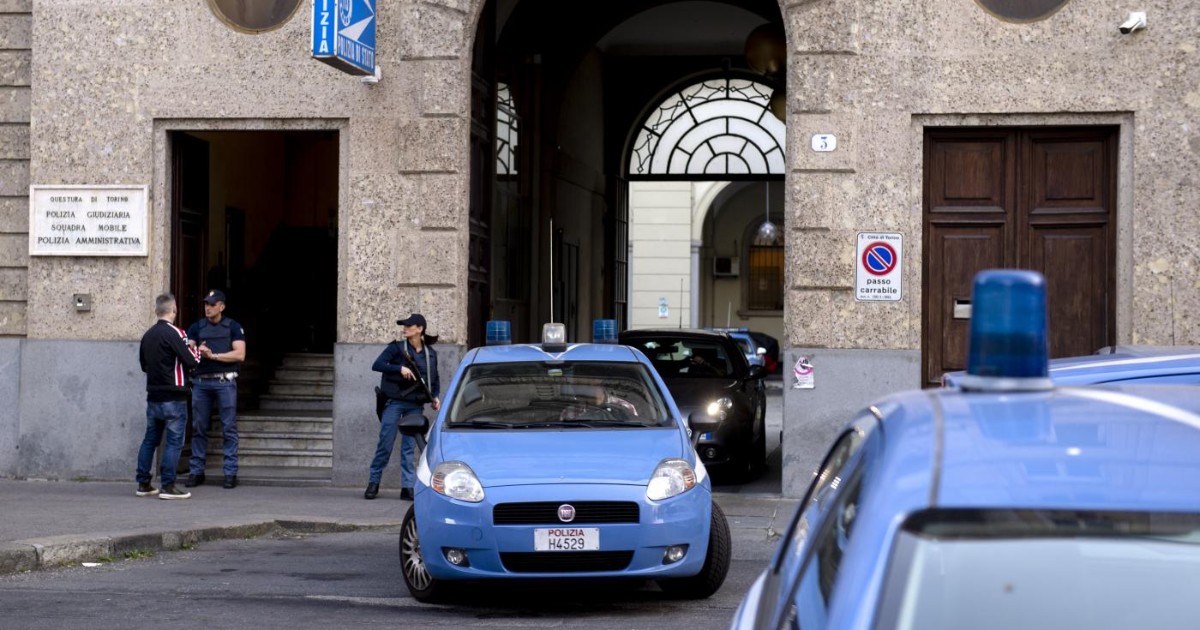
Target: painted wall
column 660, row 261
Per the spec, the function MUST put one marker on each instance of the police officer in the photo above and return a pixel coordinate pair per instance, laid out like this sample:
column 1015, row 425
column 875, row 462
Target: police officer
column 403, row 364
column 222, row 345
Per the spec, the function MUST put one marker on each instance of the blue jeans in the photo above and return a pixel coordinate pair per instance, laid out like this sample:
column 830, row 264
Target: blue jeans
column 204, row 393
column 172, row 417
column 387, row 439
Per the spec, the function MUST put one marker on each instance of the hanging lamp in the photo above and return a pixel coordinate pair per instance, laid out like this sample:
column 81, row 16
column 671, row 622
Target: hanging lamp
column 768, row 233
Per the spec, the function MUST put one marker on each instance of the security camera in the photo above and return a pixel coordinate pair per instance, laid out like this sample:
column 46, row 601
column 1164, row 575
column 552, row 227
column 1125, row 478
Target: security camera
column 1135, row 21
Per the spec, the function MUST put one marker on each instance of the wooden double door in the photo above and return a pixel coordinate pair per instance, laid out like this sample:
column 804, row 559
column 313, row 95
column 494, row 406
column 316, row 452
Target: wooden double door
column 1030, row 198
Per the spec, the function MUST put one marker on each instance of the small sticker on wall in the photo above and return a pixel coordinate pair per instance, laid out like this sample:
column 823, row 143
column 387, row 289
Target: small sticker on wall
column 803, row 371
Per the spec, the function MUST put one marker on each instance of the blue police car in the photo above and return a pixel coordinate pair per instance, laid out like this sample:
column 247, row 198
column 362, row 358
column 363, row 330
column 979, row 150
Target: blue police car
column 1009, row 503
column 562, row 461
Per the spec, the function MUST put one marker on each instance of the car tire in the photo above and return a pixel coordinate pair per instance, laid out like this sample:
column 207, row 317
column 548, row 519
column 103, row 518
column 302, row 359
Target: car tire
column 412, row 564
column 716, row 563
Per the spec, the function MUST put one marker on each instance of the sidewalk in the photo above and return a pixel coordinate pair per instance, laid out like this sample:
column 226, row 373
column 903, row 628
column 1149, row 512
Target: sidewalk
column 60, row 523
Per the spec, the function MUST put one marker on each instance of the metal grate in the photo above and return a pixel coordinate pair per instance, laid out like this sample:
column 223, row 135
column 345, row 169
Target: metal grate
column 566, row 561
column 546, row 512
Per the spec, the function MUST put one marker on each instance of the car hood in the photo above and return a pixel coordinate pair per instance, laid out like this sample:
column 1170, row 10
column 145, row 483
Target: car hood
column 698, row 392
column 508, row 458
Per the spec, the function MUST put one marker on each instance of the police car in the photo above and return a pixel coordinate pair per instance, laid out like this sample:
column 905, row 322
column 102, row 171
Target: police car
column 1008, row 503
column 562, row 461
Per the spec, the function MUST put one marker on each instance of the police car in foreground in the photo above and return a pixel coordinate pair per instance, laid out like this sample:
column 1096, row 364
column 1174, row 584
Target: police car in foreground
column 562, row 461
column 1010, row 503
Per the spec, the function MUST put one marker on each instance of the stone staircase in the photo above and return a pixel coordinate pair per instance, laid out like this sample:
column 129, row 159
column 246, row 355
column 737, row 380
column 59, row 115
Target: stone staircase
column 288, row 440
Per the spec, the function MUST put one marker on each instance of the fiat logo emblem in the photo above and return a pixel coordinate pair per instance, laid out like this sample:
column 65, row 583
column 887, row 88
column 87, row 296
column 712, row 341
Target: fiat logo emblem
column 566, row 513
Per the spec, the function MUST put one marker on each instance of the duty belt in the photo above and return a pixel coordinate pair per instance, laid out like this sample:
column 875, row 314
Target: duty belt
column 224, row 376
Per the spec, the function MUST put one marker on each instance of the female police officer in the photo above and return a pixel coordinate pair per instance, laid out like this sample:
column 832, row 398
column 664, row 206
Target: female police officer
column 404, row 364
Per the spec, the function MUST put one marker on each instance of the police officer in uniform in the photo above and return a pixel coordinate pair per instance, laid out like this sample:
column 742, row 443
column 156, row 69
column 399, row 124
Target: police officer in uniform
column 222, row 345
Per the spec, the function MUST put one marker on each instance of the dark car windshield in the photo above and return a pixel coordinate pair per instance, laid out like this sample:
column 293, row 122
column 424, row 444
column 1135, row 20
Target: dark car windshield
column 1043, row 569
column 531, row 395
column 682, row 357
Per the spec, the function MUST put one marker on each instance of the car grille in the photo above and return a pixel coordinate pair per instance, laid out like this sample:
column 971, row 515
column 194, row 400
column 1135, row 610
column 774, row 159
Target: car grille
column 546, row 512
column 566, row 561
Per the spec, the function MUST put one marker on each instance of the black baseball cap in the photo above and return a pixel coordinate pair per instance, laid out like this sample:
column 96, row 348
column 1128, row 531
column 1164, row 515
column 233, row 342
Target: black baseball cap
column 416, row 319
column 214, row 296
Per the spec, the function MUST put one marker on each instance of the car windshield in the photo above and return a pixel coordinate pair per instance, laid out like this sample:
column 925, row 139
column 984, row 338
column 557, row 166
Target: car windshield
column 533, row 395
column 686, row 358
column 1043, row 569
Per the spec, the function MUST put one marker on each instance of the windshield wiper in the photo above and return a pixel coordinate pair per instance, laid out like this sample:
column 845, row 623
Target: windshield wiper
column 557, row 424
column 617, row 423
column 481, row 424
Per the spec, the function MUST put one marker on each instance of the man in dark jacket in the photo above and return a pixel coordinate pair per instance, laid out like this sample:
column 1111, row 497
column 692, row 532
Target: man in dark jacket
column 167, row 359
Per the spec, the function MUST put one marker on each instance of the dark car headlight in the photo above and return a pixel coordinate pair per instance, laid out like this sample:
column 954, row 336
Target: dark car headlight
column 719, row 408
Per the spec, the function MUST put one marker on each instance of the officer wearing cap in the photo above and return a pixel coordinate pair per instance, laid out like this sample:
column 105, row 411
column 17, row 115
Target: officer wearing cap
column 406, row 394
column 222, row 345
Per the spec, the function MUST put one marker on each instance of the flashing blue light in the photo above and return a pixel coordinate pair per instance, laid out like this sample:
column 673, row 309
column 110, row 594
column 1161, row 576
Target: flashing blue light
column 604, row 331
column 1008, row 348
column 499, row 332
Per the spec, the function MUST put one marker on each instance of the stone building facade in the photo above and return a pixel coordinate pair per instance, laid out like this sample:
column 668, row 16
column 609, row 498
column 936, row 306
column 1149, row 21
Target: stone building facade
column 950, row 116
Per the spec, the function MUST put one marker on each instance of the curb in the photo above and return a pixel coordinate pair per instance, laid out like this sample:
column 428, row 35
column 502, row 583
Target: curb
column 59, row 551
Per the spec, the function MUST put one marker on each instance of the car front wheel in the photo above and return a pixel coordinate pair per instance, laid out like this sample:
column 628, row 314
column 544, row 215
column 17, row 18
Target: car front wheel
column 716, row 563
column 412, row 564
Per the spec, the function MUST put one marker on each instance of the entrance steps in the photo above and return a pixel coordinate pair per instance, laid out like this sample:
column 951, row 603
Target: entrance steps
column 288, row 440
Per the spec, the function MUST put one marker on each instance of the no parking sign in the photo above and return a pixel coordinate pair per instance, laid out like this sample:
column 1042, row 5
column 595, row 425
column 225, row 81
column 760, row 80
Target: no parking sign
column 878, row 277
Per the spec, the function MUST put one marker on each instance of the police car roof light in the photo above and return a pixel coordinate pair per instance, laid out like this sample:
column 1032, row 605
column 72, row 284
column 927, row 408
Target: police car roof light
column 1007, row 349
column 604, row 331
column 499, row 332
column 554, row 337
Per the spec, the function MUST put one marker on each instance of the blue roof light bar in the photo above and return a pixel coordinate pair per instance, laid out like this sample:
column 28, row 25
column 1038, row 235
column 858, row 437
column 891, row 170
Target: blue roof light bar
column 1008, row 347
column 604, row 331
column 499, row 332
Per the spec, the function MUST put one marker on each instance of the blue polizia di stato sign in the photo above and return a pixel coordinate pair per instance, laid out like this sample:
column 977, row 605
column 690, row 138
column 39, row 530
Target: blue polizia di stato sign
column 343, row 34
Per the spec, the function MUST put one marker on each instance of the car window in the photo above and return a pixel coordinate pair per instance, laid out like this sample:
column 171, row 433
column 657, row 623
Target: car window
column 688, row 358
column 825, row 498
column 537, row 394
column 1000, row 568
column 810, row 602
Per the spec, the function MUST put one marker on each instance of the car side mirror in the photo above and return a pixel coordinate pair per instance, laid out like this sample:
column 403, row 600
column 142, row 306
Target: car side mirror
column 756, row 371
column 699, row 424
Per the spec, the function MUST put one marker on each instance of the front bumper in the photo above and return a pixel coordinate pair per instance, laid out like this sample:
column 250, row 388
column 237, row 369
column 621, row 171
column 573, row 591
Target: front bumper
column 507, row 551
column 731, row 440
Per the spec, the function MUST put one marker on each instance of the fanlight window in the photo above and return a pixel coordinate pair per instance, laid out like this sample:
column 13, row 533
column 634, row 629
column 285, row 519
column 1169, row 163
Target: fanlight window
column 506, row 131
column 713, row 128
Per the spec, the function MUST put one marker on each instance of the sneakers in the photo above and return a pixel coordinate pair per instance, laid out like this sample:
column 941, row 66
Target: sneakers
column 171, row 492
column 406, row 494
column 372, row 491
column 146, row 490
column 194, row 480
column 230, row 482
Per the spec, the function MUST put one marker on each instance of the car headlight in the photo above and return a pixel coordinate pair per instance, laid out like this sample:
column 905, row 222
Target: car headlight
column 718, row 407
column 672, row 477
column 457, row 481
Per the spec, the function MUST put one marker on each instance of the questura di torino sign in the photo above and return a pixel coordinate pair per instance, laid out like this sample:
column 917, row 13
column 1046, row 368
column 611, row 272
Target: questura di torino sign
column 87, row 221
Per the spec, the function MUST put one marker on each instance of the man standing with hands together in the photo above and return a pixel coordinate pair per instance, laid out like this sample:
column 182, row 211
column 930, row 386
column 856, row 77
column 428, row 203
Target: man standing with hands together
column 222, row 345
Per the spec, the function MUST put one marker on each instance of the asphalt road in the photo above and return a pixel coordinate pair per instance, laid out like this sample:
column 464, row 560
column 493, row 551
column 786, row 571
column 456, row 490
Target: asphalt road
column 338, row 581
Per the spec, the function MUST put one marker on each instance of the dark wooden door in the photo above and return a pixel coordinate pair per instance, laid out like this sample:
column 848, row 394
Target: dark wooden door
column 483, row 170
column 189, row 214
column 1039, row 198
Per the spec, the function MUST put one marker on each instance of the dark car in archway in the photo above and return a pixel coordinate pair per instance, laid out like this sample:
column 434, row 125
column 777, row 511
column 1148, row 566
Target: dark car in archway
column 708, row 376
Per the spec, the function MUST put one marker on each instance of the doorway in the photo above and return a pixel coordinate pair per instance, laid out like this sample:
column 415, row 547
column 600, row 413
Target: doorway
column 254, row 214
column 1040, row 198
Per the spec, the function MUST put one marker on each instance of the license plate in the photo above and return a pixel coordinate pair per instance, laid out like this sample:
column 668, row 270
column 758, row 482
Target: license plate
column 566, row 539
